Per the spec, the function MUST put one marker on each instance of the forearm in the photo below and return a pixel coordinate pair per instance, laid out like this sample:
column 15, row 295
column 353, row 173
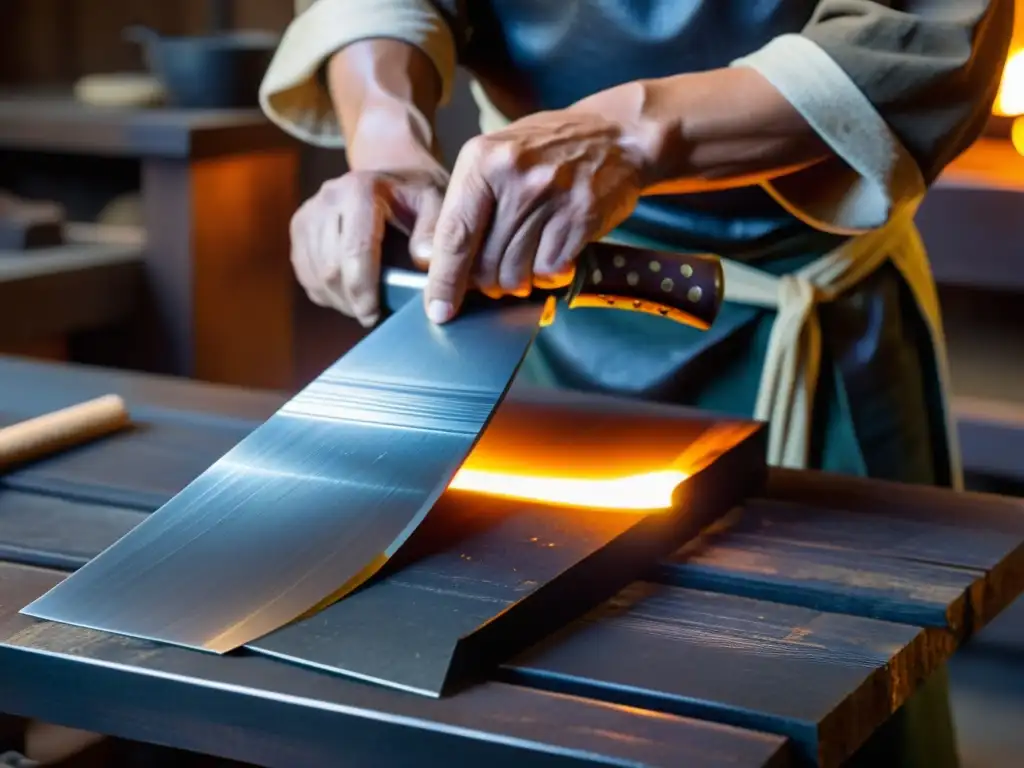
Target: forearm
column 712, row 130
column 844, row 124
column 385, row 94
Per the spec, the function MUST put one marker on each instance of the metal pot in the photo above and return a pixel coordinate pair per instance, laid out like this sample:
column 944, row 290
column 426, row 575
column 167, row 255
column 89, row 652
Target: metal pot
column 216, row 71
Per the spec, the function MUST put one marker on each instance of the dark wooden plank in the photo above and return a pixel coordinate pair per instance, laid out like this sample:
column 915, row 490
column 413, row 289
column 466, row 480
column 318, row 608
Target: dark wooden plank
column 925, row 541
column 712, row 656
column 862, row 546
column 825, row 680
column 57, row 533
column 966, row 510
column 898, row 569
column 30, row 387
column 979, row 531
column 857, row 583
column 272, row 714
column 901, row 568
column 140, row 467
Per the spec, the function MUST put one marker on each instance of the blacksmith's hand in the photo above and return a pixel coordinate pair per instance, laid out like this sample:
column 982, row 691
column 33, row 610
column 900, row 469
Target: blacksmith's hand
column 524, row 201
column 337, row 234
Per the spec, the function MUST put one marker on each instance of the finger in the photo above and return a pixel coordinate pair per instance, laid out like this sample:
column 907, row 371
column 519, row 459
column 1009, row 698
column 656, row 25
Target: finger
column 327, row 266
column 300, row 254
column 465, row 215
column 362, row 233
column 484, row 274
column 505, row 263
column 517, row 265
column 303, row 268
column 559, row 246
column 421, row 241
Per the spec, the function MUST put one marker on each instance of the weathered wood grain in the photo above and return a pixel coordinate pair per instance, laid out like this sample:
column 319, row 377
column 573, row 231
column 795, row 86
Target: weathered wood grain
column 825, row 680
column 31, row 387
column 57, row 533
column 140, row 467
column 815, row 547
column 831, row 560
column 273, row 714
column 900, row 566
column 966, row 530
column 826, row 579
column 538, row 567
column 923, row 540
column 965, row 511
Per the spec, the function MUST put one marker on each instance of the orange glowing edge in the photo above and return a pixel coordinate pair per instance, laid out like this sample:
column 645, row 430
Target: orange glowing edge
column 648, row 491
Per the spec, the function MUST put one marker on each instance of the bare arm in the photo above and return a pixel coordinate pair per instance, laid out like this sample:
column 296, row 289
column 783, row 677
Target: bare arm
column 365, row 76
column 843, row 124
column 385, row 94
column 693, row 138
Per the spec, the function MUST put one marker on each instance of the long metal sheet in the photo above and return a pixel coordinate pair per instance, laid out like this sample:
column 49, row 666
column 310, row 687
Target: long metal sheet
column 316, row 499
column 483, row 579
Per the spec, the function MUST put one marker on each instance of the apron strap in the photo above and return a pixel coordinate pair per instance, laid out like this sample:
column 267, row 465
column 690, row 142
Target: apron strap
column 793, row 358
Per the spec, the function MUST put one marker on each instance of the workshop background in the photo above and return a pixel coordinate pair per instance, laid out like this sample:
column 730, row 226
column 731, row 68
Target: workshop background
column 151, row 238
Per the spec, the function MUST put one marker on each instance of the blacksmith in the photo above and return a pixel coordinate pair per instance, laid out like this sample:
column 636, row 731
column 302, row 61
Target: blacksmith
column 794, row 138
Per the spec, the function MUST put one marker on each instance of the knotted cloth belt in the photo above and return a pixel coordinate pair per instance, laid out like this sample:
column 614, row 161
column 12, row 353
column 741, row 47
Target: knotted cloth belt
column 792, row 362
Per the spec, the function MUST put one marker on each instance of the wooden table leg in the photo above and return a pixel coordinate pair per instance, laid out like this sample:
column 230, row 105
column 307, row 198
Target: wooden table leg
column 920, row 734
column 217, row 263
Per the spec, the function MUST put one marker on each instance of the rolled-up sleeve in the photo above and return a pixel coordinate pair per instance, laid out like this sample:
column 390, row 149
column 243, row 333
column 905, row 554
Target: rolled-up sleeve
column 897, row 90
column 293, row 93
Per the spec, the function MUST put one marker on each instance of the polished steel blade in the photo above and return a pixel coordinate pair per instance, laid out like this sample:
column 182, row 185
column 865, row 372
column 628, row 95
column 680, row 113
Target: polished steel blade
column 315, row 500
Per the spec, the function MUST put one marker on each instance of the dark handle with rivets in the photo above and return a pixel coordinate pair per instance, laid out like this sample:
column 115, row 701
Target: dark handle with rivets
column 687, row 288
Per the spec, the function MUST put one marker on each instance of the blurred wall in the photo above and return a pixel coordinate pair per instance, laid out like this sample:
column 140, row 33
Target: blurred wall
column 44, row 42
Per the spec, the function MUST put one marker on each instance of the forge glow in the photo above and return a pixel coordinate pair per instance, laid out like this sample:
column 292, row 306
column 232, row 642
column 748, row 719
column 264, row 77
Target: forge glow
column 649, row 491
column 1010, row 101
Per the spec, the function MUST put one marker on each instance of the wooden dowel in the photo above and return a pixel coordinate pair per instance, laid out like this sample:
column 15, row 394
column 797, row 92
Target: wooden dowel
column 57, row 431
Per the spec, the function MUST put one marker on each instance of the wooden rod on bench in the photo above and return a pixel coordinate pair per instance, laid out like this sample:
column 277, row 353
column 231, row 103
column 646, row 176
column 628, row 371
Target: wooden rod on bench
column 57, row 431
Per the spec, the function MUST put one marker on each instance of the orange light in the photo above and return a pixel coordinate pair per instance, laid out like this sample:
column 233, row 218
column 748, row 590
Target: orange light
column 1010, row 101
column 642, row 492
column 1017, row 135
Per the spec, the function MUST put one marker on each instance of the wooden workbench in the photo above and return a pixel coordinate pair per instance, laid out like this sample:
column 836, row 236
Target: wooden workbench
column 787, row 636
column 55, row 293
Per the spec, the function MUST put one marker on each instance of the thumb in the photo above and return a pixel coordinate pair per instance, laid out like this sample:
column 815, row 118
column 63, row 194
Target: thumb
column 421, row 241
